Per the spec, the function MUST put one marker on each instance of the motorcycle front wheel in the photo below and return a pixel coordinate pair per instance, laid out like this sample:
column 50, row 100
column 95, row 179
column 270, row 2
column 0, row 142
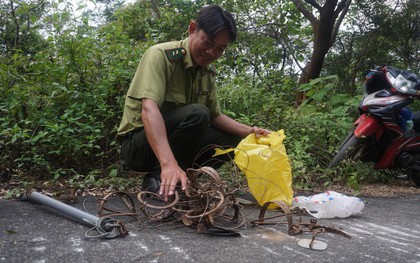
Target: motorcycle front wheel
column 414, row 172
column 415, row 178
column 351, row 148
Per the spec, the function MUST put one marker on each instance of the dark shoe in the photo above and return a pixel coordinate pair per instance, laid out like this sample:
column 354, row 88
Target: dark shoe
column 150, row 184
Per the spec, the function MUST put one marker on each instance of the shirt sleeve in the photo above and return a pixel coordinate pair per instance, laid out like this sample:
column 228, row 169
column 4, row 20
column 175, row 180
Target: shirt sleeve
column 151, row 77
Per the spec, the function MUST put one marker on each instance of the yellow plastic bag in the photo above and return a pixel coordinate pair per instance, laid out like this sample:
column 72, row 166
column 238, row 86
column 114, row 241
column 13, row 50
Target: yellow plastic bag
column 266, row 166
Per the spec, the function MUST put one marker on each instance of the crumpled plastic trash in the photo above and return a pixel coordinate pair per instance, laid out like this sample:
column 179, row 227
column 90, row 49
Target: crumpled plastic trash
column 330, row 204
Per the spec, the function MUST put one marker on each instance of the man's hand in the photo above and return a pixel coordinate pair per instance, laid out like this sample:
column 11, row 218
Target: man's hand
column 170, row 176
column 155, row 129
column 229, row 125
column 259, row 131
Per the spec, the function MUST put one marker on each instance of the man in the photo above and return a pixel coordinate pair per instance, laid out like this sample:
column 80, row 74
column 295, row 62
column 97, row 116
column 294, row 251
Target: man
column 171, row 110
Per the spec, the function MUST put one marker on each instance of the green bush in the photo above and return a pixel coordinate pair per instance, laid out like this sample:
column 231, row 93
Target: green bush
column 62, row 97
column 313, row 130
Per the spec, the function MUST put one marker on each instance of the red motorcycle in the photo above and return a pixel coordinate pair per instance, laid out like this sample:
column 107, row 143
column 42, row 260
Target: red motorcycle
column 387, row 133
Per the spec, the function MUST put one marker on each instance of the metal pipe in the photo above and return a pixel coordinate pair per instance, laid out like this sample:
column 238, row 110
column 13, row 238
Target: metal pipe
column 106, row 226
column 64, row 208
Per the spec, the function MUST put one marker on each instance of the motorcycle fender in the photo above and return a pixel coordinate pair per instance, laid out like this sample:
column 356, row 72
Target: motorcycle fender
column 367, row 125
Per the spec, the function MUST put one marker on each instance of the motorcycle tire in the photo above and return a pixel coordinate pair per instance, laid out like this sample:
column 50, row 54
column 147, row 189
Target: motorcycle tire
column 414, row 173
column 348, row 149
column 415, row 178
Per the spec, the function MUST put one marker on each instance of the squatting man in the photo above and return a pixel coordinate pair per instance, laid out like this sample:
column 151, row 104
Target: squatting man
column 171, row 109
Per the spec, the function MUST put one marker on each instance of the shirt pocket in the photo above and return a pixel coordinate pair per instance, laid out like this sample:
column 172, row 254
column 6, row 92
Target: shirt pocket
column 177, row 97
column 202, row 96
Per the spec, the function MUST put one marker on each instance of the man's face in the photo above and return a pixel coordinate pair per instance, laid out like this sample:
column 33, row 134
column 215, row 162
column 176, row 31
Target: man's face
column 205, row 50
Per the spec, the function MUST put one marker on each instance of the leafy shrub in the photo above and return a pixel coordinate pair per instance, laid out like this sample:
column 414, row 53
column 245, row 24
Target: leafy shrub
column 313, row 130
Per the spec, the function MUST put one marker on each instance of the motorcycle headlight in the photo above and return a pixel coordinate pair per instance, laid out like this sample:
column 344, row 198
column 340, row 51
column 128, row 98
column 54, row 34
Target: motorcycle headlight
column 403, row 84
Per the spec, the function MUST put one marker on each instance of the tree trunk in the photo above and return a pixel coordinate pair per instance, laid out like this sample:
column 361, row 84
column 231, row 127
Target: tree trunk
column 325, row 29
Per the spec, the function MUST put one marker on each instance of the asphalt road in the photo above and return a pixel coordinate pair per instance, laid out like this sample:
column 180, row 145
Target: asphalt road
column 387, row 231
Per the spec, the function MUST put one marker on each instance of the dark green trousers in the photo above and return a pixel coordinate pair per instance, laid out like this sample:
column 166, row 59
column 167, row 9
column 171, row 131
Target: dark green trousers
column 190, row 137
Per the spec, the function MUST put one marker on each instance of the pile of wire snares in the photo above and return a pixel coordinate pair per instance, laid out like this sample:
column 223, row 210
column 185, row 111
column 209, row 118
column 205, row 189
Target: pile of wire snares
column 205, row 205
column 210, row 207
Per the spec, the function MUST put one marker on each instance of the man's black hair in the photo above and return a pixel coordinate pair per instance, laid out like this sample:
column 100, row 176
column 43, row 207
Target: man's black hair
column 212, row 19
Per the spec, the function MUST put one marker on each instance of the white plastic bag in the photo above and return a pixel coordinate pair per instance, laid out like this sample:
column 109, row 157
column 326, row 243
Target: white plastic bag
column 329, row 205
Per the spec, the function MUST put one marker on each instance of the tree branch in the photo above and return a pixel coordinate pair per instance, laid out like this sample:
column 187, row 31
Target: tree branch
column 342, row 5
column 15, row 20
column 342, row 9
column 301, row 7
column 155, row 8
column 313, row 3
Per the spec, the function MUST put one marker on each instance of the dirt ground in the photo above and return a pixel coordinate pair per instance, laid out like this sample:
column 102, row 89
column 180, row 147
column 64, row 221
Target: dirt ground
column 397, row 188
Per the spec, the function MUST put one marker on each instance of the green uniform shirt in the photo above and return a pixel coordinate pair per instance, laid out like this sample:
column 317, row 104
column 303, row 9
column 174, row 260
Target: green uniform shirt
column 166, row 75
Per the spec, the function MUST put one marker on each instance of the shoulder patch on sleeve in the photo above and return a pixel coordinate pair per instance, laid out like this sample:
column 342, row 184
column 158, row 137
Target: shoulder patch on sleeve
column 175, row 54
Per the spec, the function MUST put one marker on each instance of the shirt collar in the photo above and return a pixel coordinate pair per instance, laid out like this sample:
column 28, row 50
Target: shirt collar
column 188, row 63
